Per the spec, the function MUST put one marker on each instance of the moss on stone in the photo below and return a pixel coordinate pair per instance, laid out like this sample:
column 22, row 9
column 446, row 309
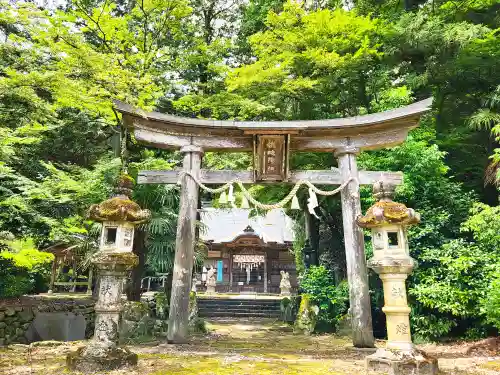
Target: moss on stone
column 306, row 316
column 135, row 310
column 491, row 365
column 119, row 208
column 386, row 213
column 128, row 260
column 161, row 306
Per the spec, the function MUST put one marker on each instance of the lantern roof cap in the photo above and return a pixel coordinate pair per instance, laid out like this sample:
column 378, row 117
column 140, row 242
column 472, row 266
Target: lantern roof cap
column 385, row 211
column 120, row 207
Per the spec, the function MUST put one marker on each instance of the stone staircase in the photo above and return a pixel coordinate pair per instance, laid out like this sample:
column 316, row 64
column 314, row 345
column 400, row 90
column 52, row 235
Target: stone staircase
column 238, row 308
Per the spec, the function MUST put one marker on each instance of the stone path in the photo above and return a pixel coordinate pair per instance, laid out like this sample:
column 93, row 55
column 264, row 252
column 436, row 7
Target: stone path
column 242, row 347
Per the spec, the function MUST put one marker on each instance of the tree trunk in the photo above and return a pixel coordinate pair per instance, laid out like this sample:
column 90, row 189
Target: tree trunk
column 139, row 249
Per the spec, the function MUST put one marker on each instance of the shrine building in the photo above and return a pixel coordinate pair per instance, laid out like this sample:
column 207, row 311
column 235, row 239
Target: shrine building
column 247, row 252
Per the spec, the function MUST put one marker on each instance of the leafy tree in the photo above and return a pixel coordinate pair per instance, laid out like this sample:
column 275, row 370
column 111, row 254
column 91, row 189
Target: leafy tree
column 458, row 277
column 332, row 300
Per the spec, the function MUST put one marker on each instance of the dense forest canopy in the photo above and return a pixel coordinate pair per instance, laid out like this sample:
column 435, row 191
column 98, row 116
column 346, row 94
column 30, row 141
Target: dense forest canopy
column 62, row 145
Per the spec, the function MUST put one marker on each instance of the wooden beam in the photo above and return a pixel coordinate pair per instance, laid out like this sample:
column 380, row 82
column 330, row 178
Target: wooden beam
column 208, row 143
column 242, row 143
column 363, row 141
column 332, row 177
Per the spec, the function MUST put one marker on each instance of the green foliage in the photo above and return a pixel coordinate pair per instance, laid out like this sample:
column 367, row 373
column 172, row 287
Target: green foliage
column 457, row 278
column 332, row 300
column 302, row 56
column 24, row 272
column 492, row 302
column 457, row 281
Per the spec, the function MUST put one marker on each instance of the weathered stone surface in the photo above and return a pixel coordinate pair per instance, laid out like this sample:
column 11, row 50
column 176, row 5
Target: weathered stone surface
column 21, row 339
column 99, row 357
column 10, row 311
column 345, row 325
column 397, row 362
column 20, row 347
column 135, row 311
column 2, row 316
column 3, row 325
column 306, row 317
column 26, row 315
column 193, row 308
column 86, row 310
column 57, row 326
column 47, row 343
column 161, row 306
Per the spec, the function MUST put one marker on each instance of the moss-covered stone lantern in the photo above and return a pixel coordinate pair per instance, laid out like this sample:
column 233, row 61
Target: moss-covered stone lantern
column 388, row 221
column 119, row 216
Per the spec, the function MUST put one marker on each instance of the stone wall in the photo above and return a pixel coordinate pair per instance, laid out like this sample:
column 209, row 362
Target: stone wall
column 44, row 317
column 148, row 318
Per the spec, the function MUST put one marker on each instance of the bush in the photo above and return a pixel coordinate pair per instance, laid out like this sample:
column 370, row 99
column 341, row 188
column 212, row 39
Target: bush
column 331, row 299
column 25, row 272
column 491, row 304
column 456, row 285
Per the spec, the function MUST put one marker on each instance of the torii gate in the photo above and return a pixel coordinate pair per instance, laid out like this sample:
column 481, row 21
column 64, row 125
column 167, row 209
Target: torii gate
column 346, row 137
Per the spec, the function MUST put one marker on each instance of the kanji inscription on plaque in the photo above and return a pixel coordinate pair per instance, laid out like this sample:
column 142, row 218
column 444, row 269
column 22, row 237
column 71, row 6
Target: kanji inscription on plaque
column 271, row 155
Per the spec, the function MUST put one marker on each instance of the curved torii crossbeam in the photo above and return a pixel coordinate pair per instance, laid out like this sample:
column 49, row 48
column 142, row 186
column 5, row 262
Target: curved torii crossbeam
column 365, row 132
column 271, row 143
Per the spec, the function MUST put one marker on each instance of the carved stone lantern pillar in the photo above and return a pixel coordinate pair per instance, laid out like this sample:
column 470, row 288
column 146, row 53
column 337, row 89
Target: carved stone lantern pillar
column 119, row 216
column 391, row 260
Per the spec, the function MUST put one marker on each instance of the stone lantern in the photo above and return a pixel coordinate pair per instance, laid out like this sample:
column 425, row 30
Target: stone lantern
column 391, row 260
column 119, row 216
column 309, row 255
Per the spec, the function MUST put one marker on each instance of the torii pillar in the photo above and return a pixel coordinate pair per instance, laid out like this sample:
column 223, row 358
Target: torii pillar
column 357, row 275
column 184, row 248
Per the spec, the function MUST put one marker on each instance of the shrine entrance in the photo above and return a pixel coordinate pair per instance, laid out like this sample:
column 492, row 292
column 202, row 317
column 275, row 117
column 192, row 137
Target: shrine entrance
column 249, row 272
column 247, row 253
column 271, row 143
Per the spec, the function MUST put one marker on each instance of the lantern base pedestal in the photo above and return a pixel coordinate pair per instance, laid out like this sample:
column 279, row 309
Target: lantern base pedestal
column 401, row 362
column 210, row 289
column 98, row 357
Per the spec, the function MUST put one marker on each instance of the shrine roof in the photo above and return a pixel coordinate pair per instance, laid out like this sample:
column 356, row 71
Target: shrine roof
column 224, row 225
column 407, row 114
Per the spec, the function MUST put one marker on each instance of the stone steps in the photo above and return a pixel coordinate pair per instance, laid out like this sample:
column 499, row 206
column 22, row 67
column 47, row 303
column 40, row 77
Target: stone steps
column 242, row 306
column 232, row 314
column 232, row 307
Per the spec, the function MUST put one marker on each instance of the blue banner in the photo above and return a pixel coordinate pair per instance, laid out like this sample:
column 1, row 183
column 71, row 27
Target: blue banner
column 220, row 267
